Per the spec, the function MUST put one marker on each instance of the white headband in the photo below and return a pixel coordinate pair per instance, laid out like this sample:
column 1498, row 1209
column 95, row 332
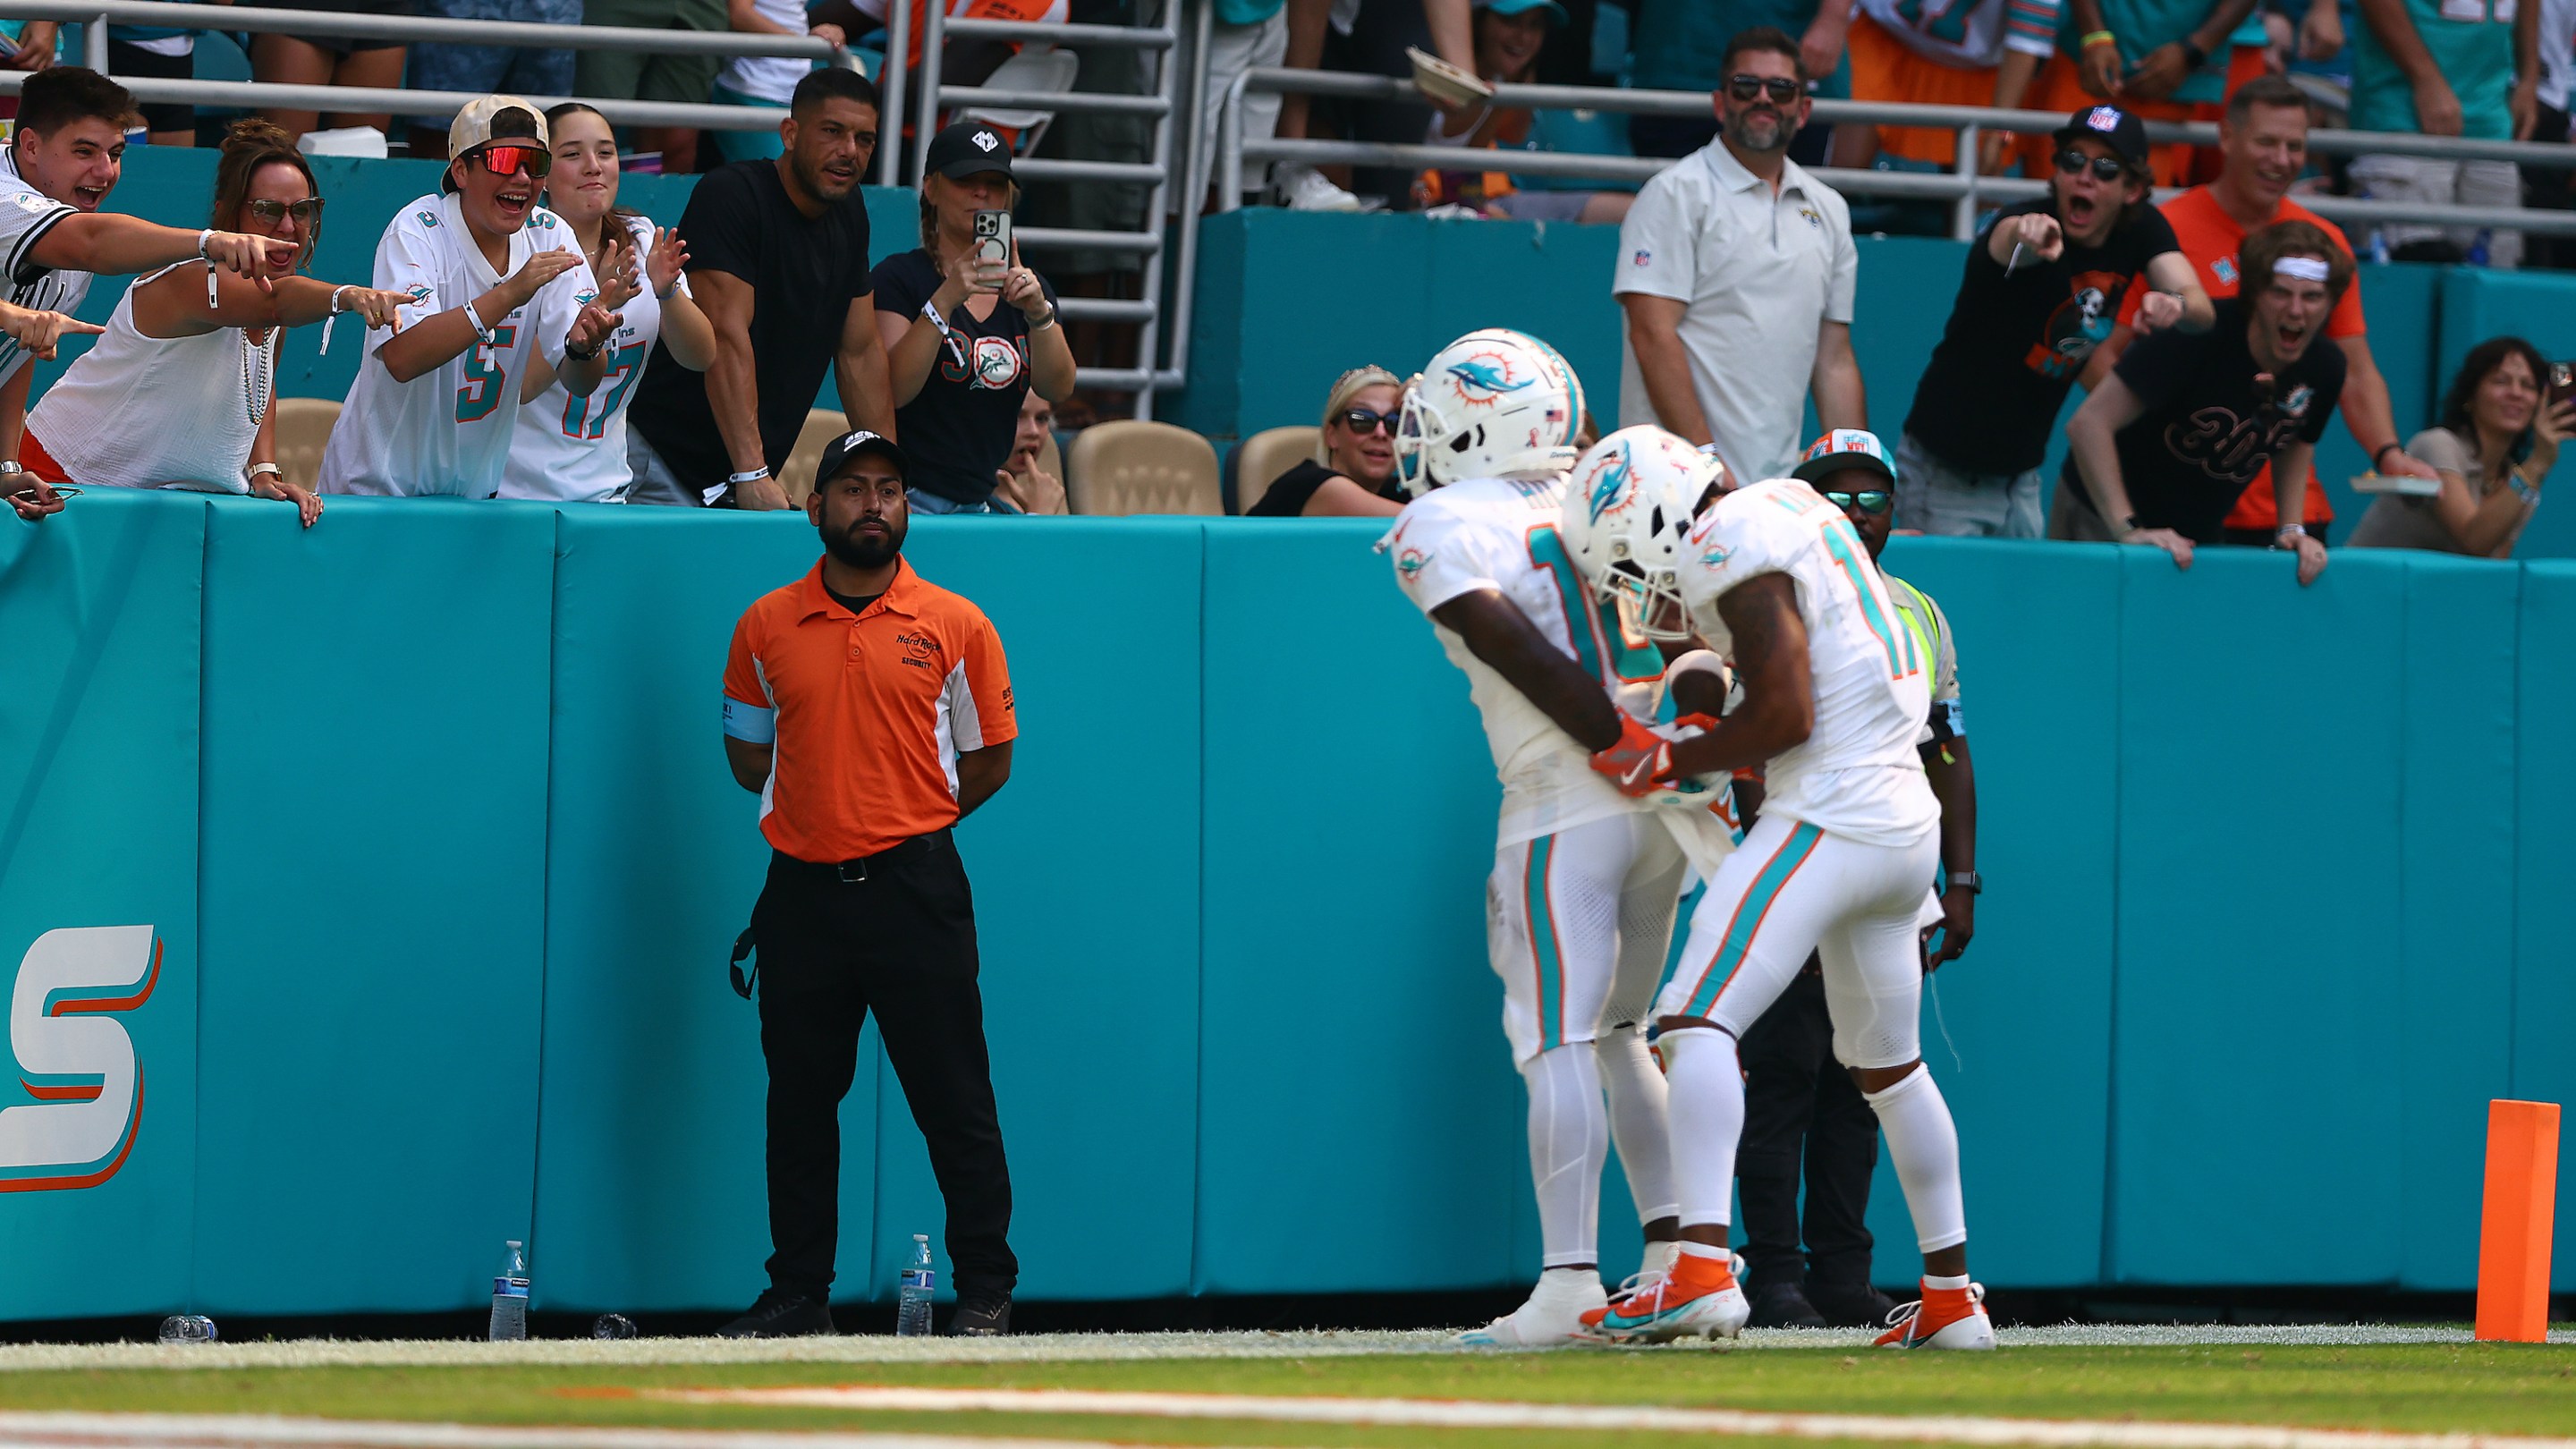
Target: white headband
column 2307, row 269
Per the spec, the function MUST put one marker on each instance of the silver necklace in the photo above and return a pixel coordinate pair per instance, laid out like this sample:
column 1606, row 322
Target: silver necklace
column 259, row 372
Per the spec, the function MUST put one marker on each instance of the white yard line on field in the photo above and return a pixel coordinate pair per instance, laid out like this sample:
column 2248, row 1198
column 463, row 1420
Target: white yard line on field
column 227, row 1431
column 1082, row 1347
column 1604, row 1418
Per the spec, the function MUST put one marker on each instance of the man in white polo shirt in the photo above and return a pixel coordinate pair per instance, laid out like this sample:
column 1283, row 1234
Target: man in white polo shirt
column 1736, row 270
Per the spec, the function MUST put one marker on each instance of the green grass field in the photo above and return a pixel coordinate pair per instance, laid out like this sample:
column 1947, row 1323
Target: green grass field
column 2446, row 1388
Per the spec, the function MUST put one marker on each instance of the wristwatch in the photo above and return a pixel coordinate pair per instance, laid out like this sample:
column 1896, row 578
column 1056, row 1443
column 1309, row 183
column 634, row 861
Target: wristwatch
column 2288, row 535
column 1969, row 881
column 579, row 355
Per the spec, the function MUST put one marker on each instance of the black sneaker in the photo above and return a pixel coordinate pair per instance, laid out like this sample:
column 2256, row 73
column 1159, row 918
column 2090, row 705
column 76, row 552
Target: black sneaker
column 1779, row 1303
column 982, row 1316
column 780, row 1315
column 1849, row 1305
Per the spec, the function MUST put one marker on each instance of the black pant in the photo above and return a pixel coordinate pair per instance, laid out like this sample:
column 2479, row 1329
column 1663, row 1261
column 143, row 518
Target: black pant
column 1796, row 1094
column 896, row 934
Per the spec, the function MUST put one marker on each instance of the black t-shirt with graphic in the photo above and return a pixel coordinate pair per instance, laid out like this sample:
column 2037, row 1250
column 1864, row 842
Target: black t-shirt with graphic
column 957, row 431
column 2211, row 421
column 2014, row 344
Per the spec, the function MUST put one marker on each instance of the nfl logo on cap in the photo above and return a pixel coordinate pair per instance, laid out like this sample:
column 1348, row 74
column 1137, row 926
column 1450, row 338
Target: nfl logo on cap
column 2104, row 118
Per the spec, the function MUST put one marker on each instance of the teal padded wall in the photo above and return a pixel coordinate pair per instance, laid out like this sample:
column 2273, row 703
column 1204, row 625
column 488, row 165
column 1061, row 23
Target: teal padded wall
column 373, row 882
column 428, row 808
column 98, row 828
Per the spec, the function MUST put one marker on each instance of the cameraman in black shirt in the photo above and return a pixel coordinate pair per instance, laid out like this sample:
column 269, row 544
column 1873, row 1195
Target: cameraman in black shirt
column 2042, row 289
column 2163, row 447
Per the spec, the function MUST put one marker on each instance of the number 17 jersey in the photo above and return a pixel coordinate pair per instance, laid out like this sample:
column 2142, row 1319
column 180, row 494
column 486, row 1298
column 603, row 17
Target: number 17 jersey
column 448, row 430
column 1501, row 534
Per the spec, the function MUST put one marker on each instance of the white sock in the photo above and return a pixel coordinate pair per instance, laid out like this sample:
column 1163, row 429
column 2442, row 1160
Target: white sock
column 1659, row 1258
column 1558, row 1285
column 1568, row 1138
column 1638, row 1120
column 1706, row 1087
column 1935, row 1280
column 1924, row 1144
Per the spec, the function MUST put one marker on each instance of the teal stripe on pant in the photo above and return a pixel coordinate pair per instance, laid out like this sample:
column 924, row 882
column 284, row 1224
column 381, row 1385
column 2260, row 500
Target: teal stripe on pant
column 1543, row 950
column 1756, row 904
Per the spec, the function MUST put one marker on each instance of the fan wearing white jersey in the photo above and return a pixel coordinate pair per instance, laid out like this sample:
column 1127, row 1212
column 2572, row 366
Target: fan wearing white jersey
column 176, row 395
column 573, row 449
column 62, row 160
column 1835, row 693
column 494, row 289
column 1585, row 883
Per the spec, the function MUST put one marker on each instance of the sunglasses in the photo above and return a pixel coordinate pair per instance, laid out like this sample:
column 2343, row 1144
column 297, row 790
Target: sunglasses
column 1871, row 500
column 270, row 213
column 511, row 160
column 2105, row 168
column 1361, row 420
column 1781, row 89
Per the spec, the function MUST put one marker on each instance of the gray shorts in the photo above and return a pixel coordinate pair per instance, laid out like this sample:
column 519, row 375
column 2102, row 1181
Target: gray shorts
column 1933, row 497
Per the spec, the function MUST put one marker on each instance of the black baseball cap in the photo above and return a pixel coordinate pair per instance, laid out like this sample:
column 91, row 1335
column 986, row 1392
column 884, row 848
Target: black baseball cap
column 2125, row 134
column 969, row 148
column 851, row 445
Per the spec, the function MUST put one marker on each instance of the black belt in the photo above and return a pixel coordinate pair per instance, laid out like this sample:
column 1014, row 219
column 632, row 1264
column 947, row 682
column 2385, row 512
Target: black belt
column 855, row 869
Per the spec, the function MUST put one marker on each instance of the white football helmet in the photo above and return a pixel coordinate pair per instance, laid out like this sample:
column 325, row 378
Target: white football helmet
column 1493, row 404
column 1627, row 510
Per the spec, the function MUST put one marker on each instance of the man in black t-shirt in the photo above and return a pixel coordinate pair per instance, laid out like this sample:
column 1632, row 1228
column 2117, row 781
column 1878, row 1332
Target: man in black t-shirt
column 778, row 260
column 2042, row 289
column 2163, row 447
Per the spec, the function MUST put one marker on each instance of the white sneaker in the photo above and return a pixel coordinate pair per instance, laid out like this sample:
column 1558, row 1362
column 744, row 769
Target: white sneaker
column 1552, row 1316
column 1307, row 189
column 1650, row 1309
column 1959, row 1323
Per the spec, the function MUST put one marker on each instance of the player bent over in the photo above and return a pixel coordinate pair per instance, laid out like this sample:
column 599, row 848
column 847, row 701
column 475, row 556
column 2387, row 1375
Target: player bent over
column 1835, row 692
column 1585, row 882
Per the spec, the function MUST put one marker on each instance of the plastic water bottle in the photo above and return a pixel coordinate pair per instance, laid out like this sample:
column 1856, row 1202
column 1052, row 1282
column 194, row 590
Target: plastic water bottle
column 187, row 1328
column 510, row 1294
column 912, row 1306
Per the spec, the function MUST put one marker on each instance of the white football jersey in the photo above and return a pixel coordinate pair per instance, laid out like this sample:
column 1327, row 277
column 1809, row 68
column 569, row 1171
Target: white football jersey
column 573, row 449
column 449, row 431
column 1857, row 774
column 1502, row 535
column 25, row 215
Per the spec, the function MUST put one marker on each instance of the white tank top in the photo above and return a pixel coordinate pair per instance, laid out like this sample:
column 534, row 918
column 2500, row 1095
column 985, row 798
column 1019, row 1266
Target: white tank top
column 159, row 412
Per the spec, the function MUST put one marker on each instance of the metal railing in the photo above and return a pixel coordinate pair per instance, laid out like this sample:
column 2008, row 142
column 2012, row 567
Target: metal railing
column 1967, row 191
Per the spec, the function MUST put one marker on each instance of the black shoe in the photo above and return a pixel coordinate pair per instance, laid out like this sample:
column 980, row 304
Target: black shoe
column 1780, row 1304
column 982, row 1316
column 1849, row 1305
column 780, row 1315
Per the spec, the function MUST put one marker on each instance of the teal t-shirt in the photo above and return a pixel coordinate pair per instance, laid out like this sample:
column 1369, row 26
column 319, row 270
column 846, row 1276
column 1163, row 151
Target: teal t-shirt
column 1246, row 12
column 2471, row 40
column 2145, row 25
column 1677, row 44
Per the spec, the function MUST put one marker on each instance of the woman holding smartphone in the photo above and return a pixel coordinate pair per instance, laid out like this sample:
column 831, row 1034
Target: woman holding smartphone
column 2496, row 442
column 968, row 330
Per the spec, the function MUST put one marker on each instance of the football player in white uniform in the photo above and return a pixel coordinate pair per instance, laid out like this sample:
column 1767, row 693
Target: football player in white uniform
column 1585, row 881
column 1835, row 691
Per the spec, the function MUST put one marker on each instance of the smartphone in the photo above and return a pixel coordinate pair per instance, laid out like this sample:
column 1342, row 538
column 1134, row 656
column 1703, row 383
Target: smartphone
column 993, row 240
column 2562, row 383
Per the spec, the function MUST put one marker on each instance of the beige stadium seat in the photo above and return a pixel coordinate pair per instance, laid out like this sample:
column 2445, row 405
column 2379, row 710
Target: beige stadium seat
column 303, row 427
column 822, row 425
column 1264, row 456
column 1121, row 468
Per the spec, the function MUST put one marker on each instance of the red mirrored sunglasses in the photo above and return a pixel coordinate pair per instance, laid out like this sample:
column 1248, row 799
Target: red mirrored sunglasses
column 510, row 160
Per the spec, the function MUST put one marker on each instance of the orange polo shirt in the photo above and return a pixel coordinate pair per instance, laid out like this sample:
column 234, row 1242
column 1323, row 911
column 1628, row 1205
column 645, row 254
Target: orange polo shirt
column 2210, row 238
column 866, row 713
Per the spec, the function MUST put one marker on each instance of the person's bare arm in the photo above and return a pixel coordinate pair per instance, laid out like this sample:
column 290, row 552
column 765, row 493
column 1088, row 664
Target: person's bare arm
column 1820, row 48
column 175, row 305
column 979, row 774
column 751, row 763
column 1841, row 401
column 733, row 384
column 1498, row 633
column 1453, row 32
column 1340, row 497
column 2290, row 469
column 2437, row 106
column 859, row 370
column 2171, row 274
column 2160, row 71
column 2367, row 414
column 1779, row 708
column 119, row 245
column 434, row 341
column 2104, row 358
column 1954, row 783
column 2478, row 525
column 2523, row 102
column 1655, row 335
column 2092, row 436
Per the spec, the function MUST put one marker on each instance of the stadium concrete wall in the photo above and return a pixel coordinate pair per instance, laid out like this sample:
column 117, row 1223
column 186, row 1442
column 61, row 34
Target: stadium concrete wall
column 425, row 812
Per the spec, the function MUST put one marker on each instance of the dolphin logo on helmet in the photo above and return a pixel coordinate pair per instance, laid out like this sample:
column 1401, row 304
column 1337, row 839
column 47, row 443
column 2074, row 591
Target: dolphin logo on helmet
column 1493, row 404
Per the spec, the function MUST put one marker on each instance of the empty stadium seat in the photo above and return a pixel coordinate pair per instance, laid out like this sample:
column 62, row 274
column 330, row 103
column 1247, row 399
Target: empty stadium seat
column 1264, row 456
column 1121, row 468
column 303, row 427
column 822, row 425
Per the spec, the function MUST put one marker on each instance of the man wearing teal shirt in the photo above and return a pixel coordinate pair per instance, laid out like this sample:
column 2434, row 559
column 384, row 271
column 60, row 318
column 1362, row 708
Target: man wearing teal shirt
column 1678, row 45
column 2446, row 68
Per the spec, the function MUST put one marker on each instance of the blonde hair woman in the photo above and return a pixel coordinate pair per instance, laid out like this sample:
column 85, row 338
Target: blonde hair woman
column 1352, row 474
